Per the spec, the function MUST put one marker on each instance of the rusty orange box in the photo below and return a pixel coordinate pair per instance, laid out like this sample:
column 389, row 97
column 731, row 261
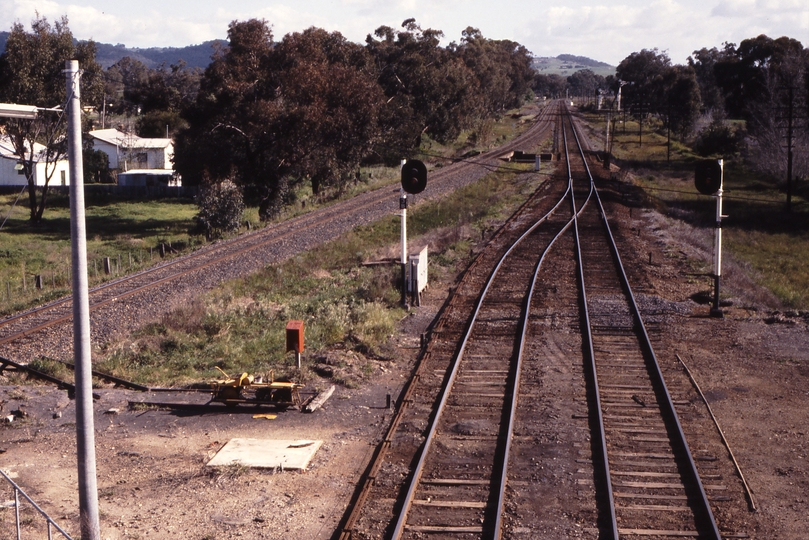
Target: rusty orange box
column 295, row 336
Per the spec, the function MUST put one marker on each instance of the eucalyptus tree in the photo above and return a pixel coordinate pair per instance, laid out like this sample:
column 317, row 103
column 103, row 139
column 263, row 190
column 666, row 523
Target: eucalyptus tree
column 269, row 114
column 31, row 73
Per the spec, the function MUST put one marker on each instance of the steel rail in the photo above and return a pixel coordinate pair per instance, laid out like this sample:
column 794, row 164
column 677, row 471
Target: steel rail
column 520, row 353
column 704, row 510
column 352, row 515
column 254, row 240
column 586, row 328
column 445, row 392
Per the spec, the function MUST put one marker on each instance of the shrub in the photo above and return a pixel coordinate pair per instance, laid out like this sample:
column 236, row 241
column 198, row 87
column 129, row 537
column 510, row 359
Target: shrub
column 718, row 139
column 221, row 207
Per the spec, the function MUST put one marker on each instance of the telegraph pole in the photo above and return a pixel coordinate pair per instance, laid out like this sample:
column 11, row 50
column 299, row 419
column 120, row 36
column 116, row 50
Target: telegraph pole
column 85, row 425
column 789, row 151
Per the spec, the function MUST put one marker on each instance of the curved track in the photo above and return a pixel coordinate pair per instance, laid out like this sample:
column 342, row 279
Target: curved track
column 457, row 460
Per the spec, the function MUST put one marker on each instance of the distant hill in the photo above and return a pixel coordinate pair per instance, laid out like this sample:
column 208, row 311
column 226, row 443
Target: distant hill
column 193, row 55
column 568, row 64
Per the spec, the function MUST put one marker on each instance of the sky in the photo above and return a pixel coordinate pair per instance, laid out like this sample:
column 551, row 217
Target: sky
column 603, row 31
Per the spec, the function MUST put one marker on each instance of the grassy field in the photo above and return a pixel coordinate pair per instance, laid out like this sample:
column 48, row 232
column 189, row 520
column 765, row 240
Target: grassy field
column 758, row 232
column 239, row 327
column 129, row 233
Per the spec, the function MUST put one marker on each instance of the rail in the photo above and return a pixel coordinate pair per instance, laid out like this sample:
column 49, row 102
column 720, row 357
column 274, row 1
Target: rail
column 19, row 491
column 701, row 506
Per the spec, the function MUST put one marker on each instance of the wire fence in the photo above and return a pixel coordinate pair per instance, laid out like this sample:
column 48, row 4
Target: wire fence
column 27, row 287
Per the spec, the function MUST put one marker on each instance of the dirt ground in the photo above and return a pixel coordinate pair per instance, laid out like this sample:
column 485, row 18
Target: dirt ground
column 752, row 365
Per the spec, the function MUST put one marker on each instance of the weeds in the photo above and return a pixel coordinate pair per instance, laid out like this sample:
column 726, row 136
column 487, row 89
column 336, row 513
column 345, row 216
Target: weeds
column 240, row 325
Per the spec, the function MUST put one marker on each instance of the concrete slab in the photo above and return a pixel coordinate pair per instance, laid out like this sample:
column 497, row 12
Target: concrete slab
column 266, row 453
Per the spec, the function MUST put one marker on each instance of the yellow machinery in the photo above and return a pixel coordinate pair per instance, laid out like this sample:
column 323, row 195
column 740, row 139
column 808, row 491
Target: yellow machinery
column 247, row 389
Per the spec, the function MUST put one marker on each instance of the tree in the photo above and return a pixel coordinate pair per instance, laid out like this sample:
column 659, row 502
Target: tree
column 221, row 207
column 681, row 101
column 122, row 83
column 552, row 86
column 429, row 90
column 644, row 72
column 742, row 72
column 585, row 83
column 502, row 69
column 704, row 63
column 778, row 121
column 31, row 73
column 271, row 114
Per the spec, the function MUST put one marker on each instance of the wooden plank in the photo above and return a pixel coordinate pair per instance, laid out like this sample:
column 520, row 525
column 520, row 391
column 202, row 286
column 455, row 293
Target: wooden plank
column 450, row 504
column 656, row 507
column 659, row 532
column 439, row 529
column 647, row 474
column 624, row 495
column 318, row 402
column 649, row 485
column 643, row 455
column 455, row 482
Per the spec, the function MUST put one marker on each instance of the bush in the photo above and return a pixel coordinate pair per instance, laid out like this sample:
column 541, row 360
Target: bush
column 718, row 139
column 221, row 207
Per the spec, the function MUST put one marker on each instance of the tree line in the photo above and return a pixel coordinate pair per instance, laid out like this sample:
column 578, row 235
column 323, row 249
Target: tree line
column 750, row 99
column 313, row 107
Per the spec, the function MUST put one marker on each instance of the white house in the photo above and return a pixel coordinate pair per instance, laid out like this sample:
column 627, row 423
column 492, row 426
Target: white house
column 127, row 151
column 12, row 175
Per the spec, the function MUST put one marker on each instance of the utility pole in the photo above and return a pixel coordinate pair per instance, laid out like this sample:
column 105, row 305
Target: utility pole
column 789, row 150
column 85, row 425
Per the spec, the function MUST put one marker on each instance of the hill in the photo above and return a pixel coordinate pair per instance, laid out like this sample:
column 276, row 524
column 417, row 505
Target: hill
column 193, row 55
column 568, row 64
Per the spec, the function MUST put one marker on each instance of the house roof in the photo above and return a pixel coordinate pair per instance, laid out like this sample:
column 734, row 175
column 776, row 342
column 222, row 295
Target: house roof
column 128, row 140
column 7, row 149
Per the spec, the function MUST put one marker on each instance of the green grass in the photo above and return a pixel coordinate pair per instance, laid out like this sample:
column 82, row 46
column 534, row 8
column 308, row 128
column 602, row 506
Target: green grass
column 240, row 325
column 128, row 232
column 758, row 231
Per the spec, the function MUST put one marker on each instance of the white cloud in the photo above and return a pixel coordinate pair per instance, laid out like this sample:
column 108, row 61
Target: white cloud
column 594, row 28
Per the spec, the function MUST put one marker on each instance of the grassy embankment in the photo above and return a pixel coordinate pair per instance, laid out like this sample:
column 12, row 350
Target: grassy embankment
column 239, row 326
column 771, row 243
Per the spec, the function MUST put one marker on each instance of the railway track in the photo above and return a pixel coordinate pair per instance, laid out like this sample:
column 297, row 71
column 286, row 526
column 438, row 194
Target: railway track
column 469, row 453
column 117, row 302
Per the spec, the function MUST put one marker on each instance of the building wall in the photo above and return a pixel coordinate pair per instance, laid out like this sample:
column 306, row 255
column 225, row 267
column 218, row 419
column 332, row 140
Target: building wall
column 110, row 149
column 11, row 177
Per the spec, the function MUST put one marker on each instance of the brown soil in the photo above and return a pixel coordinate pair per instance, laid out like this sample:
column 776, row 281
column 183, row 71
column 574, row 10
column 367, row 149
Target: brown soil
column 752, row 365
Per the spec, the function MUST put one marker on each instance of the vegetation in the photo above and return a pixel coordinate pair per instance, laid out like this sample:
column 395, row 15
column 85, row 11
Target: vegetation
column 240, row 325
column 31, row 73
column 770, row 244
column 221, row 207
column 314, row 107
column 129, row 233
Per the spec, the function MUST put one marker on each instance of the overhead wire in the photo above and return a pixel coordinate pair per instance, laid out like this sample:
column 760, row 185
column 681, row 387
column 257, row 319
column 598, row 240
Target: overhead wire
column 51, row 137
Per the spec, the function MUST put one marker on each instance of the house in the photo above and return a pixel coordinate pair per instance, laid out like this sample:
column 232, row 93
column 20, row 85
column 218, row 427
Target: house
column 12, row 174
column 127, row 151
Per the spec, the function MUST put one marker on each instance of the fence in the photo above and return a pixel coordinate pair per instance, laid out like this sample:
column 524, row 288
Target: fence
column 51, row 523
column 127, row 192
column 28, row 286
